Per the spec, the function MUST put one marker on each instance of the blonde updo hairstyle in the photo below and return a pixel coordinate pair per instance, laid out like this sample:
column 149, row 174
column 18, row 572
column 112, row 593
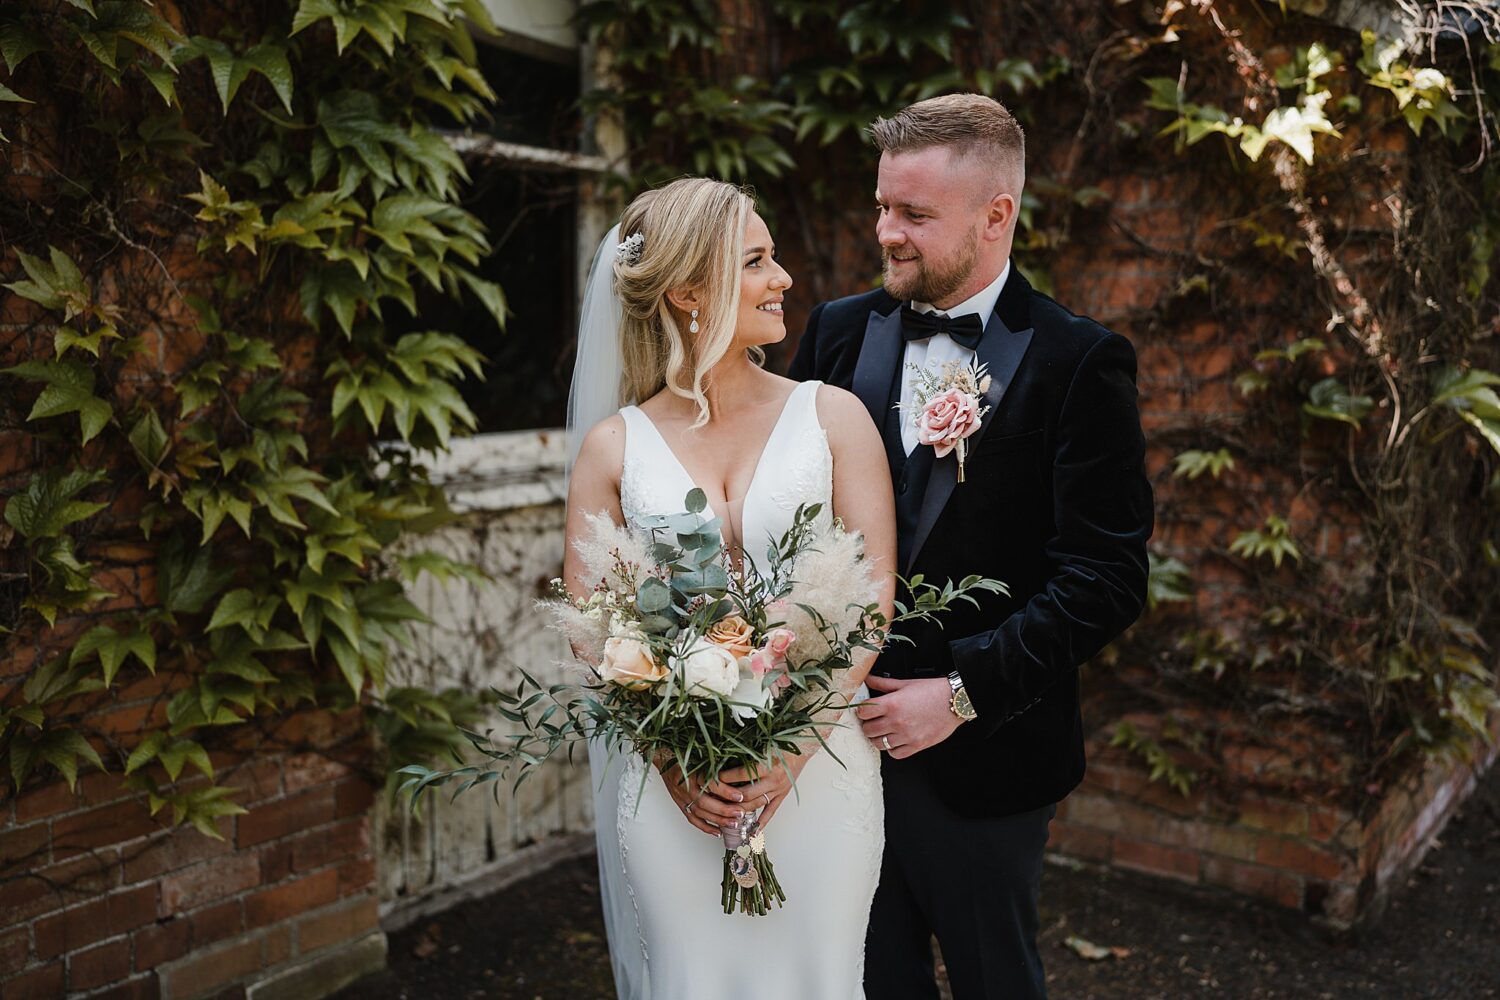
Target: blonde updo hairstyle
column 693, row 233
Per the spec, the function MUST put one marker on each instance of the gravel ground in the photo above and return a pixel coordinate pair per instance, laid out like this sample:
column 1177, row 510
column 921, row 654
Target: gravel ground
column 543, row 939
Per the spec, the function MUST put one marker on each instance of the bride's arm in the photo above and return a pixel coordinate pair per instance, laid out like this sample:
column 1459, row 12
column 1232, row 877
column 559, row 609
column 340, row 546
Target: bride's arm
column 593, row 488
column 863, row 498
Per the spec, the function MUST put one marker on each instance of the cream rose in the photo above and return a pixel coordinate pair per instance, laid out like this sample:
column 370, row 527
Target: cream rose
column 628, row 663
column 750, row 696
column 732, row 633
column 709, row 669
column 947, row 419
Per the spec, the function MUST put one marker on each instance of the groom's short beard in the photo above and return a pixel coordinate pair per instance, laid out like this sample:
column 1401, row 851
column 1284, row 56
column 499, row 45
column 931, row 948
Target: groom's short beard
column 935, row 283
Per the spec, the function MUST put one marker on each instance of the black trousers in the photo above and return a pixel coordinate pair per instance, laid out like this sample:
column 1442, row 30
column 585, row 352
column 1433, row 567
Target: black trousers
column 971, row 882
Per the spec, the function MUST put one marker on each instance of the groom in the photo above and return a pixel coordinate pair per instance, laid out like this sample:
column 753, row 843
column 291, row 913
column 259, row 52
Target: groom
column 979, row 720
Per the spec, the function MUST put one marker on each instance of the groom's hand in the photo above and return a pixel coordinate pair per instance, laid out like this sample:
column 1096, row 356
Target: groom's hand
column 908, row 716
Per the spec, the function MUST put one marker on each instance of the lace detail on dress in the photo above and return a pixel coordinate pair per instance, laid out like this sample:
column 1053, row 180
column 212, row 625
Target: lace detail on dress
column 809, row 471
column 630, row 797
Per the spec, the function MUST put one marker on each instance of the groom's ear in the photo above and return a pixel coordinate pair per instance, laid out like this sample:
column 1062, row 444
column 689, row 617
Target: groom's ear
column 685, row 299
column 1001, row 220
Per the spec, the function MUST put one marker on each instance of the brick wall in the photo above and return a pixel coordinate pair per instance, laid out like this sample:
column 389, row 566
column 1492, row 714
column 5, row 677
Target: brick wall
column 95, row 892
column 1310, row 847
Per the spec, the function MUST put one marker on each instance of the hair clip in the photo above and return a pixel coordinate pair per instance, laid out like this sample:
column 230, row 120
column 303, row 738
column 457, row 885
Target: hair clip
column 630, row 250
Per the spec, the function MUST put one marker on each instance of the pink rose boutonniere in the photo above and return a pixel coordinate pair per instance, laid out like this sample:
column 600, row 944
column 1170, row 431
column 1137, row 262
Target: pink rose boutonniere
column 949, row 407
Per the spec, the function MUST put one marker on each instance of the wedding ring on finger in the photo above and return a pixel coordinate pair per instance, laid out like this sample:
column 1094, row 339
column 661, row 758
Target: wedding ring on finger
column 885, row 743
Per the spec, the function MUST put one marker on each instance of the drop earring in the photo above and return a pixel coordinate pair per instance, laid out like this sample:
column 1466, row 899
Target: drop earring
column 693, row 326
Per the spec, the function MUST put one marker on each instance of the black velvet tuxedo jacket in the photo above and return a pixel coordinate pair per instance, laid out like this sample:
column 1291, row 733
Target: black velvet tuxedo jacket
column 1055, row 504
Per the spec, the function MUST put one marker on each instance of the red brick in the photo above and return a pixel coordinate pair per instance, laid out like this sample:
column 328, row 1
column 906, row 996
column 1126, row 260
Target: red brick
column 1079, row 842
column 204, row 971
column 291, row 898
column 260, row 778
column 215, row 923
column 278, row 946
column 1273, row 815
column 356, row 876
column 25, row 848
column 162, row 942
column 349, row 920
column 1332, row 826
column 58, row 886
column 99, row 966
column 46, row 801
column 101, row 789
column 207, row 882
column 146, row 987
column 113, row 824
column 94, row 921
column 276, row 860
column 355, row 796
column 174, row 851
column 14, row 946
column 289, row 815
column 1252, row 880
column 44, row 981
column 348, row 839
column 305, row 770
column 1156, row 859
column 1297, row 857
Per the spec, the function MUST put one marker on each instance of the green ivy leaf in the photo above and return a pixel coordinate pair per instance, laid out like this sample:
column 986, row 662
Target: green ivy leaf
column 46, row 505
column 69, row 389
column 188, row 575
column 112, row 648
column 1329, row 400
column 6, row 94
column 63, row 749
column 238, row 607
column 17, row 43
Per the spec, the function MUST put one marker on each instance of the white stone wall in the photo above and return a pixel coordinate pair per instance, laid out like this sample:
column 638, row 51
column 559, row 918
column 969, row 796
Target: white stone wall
column 508, row 490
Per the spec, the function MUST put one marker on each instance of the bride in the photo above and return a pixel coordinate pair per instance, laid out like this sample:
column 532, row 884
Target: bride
column 683, row 296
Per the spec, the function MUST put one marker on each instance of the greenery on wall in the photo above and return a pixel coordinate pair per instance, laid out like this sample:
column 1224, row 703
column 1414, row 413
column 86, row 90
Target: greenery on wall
column 1352, row 174
column 216, row 208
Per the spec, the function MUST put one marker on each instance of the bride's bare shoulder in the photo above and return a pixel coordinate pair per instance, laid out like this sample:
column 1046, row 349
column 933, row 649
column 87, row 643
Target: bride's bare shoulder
column 603, row 447
column 840, row 407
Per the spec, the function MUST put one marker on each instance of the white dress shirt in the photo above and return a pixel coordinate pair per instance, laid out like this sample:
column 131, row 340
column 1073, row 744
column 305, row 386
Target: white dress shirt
column 939, row 349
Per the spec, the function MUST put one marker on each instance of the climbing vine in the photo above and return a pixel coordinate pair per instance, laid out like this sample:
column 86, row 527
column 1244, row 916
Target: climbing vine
column 217, row 222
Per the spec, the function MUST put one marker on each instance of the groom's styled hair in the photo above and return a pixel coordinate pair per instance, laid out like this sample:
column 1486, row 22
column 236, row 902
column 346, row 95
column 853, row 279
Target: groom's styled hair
column 971, row 125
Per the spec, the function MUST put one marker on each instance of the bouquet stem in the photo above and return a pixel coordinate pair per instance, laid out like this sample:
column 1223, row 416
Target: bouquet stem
column 750, row 883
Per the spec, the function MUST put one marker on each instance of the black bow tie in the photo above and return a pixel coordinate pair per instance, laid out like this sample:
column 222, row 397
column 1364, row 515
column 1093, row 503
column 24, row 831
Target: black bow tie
column 965, row 330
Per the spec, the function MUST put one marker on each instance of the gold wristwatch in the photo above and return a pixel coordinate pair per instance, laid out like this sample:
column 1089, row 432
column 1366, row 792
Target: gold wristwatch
column 960, row 704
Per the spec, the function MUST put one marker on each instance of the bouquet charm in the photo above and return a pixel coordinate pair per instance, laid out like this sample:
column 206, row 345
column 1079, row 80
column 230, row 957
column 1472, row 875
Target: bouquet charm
column 948, row 407
column 750, row 883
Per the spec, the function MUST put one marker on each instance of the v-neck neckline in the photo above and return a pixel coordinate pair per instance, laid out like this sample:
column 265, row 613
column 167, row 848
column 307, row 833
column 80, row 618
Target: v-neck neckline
column 760, row 461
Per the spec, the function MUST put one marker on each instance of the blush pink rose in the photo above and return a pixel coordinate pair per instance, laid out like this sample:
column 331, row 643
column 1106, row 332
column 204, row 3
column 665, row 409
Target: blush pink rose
column 779, row 641
column 947, row 419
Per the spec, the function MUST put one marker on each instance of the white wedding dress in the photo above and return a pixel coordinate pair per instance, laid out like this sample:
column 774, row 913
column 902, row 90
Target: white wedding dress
column 825, row 840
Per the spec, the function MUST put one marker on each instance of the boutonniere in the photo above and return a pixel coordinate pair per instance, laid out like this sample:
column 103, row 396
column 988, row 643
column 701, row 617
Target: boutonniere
column 949, row 407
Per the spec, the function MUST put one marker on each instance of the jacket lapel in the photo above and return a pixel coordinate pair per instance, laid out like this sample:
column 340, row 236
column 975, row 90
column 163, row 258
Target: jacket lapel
column 878, row 357
column 1001, row 350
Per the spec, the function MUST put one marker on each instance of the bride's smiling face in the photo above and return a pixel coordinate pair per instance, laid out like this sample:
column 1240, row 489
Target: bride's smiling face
column 762, row 282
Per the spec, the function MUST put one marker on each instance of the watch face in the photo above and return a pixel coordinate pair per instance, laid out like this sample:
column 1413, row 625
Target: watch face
column 962, row 707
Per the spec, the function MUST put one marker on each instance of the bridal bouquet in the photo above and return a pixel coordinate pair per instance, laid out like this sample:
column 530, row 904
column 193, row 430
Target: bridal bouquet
column 691, row 660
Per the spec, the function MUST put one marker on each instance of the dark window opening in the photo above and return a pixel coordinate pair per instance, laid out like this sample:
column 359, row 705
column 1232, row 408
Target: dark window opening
column 532, row 217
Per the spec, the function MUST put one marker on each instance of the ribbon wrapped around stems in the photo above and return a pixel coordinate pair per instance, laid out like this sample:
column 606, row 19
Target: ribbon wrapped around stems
column 750, row 883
